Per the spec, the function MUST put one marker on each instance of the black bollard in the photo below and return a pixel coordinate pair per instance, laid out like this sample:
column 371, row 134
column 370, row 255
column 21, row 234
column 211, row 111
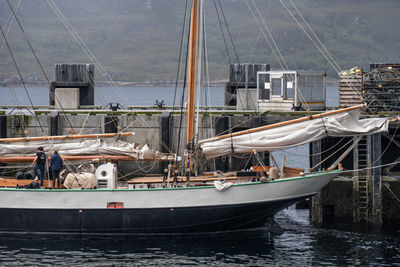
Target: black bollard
column 110, row 124
column 221, row 126
column 54, row 119
column 165, row 136
column 3, row 126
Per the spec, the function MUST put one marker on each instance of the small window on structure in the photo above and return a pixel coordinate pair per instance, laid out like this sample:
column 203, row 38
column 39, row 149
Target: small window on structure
column 115, row 205
column 276, row 86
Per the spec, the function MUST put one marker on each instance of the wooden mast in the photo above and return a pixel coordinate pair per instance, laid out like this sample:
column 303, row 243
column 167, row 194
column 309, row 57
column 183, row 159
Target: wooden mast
column 192, row 71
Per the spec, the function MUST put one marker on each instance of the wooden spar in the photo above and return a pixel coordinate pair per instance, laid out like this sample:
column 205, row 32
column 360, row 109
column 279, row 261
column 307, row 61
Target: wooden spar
column 60, row 137
column 258, row 129
column 192, row 71
column 84, row 157
column 348, row 150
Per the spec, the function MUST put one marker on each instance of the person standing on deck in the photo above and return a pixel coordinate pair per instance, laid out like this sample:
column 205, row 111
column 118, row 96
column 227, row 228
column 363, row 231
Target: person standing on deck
column 55, row 167
column 40, row 161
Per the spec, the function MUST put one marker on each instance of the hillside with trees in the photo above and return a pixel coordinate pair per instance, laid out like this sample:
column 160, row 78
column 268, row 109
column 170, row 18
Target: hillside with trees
column 139, row 40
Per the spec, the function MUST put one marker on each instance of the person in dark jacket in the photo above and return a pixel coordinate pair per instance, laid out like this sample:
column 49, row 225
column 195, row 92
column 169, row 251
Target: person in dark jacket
column 55, row 167
column 40, row 163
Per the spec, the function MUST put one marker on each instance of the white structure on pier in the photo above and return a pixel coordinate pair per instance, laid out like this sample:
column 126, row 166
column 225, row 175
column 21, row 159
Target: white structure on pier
column 289, row 90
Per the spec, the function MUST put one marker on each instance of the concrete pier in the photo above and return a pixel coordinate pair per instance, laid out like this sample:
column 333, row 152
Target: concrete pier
column 370, row 195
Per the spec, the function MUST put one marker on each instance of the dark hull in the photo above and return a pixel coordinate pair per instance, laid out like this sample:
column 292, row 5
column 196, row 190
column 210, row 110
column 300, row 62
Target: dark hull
column 140, row 221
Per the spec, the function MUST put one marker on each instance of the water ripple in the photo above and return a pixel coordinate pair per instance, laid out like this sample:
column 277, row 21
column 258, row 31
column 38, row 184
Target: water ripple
column 295, row 243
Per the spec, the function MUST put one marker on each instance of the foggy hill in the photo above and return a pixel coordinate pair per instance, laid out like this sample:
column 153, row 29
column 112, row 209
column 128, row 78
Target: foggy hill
column 139, row 40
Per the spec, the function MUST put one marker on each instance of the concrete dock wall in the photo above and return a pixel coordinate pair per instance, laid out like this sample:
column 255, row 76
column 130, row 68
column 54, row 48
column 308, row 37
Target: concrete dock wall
column 368, row 195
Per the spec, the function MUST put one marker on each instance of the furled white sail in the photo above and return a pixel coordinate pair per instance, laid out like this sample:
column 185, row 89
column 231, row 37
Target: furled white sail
column 100, row 146
column 294, row 134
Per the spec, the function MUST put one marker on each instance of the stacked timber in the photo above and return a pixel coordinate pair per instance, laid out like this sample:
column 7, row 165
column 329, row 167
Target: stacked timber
column 350, row 89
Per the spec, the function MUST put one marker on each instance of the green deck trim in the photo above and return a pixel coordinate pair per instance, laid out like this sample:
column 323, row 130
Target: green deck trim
column 174, row 188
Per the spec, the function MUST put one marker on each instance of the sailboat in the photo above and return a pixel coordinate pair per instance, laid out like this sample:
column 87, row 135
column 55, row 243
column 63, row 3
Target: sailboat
column 172, row 203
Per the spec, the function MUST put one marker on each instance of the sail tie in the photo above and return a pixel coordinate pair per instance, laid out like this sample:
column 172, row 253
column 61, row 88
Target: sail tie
column 232, row 148
column 323, row 124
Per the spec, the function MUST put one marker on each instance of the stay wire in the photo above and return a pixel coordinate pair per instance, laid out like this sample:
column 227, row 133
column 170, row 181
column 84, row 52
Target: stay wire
column 87, row 51
column 38, row 61
column 207, row 92
column 308, row 35
column 10, row 21
column 229, row 32
column 183, row 94
column 69, row 41
column 22, row 79
column 265, row 36
column 180, row 54
column 275, row 47
column 315, row 35
column 222, row 32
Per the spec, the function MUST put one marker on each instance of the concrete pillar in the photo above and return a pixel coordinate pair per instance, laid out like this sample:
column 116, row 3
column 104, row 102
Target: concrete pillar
column 79, row 76
column 221, row 125
column 316, row 213
column 376, row 179
column 3, row 134
column 355, row 174
column 165, row 136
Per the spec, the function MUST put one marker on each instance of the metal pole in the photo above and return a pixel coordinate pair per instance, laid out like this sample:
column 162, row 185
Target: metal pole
column 246, row 77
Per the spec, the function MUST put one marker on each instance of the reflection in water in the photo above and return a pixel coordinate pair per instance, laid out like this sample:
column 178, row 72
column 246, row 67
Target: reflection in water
column 294, row 243
column 246, row 247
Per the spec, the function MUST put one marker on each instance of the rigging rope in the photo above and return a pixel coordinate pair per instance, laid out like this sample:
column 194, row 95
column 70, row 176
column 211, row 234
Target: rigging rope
column 308, row 35
column 207, row 91
column 22, row 79
column 10, row 20
column 37, row 59
column 180, row 54
column 229, row 32
column 278, row 55
column 316, row 36
column 183, row 94
column 222, row 32
column 86, row 50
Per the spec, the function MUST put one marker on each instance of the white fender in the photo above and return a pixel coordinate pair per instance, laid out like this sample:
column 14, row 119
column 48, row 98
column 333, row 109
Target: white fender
column 106, row 175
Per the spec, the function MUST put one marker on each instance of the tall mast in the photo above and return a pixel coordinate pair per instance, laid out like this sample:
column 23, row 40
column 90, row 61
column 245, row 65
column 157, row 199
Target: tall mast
column 192, row 71
column 199, row 64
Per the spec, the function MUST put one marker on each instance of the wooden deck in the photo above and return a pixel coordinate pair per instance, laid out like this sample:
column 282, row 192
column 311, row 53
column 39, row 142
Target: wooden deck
column 159, row 179
column 4, row 182
column 288, row 171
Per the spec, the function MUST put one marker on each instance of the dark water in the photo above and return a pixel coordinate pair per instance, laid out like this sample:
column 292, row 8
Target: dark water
column 294, row 243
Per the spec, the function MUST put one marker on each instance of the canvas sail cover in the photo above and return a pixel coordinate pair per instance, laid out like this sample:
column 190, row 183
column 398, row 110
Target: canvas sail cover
column 100, row 146
column 294, row 134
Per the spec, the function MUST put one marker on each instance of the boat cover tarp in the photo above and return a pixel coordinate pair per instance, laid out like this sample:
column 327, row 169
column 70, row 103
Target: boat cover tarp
column 291, row 135
column 82, row 180
column 100, row 146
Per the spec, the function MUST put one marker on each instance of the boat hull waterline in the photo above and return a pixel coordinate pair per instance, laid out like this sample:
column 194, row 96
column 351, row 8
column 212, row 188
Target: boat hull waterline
column 172, row 210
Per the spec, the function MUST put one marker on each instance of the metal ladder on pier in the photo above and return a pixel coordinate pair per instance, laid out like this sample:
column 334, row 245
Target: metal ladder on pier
column 363, row 160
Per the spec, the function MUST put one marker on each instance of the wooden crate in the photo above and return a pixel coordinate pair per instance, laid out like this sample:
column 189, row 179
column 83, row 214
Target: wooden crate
column 350, row 90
